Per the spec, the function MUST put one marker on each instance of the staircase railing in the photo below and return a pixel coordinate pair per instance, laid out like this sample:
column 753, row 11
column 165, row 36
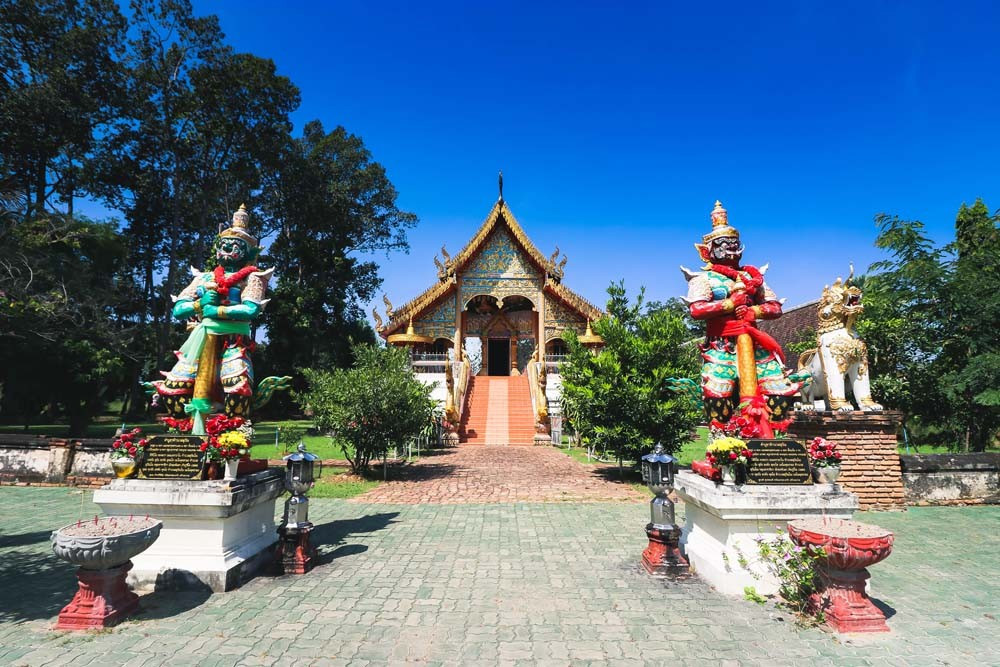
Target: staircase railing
column 456, row 380
column 539, row 403
column 462, row 387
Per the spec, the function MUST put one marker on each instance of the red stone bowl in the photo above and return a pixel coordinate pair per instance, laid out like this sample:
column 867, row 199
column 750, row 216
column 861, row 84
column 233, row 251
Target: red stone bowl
column 849, row 545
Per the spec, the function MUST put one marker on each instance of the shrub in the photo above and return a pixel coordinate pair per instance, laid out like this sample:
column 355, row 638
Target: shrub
column 369, row 407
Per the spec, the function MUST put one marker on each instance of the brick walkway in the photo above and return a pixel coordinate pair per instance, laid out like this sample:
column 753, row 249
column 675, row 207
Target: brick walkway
column 489, row 474
column 511, row 584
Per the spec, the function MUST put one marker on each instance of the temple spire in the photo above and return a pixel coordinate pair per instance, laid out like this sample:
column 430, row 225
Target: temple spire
column 500, row 184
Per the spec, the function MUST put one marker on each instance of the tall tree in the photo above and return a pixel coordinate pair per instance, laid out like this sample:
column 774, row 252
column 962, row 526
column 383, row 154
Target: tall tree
column 201, row 127
column 61, row 346
column 930, row 325
column 59, row 60
column 332, row 205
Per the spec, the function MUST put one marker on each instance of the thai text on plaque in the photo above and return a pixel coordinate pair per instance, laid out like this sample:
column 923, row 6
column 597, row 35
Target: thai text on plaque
column 172, row 457
column 778, row 461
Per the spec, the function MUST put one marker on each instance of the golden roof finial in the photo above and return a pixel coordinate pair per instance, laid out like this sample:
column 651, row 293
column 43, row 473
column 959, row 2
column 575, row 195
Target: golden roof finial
column 411, row 337
column 589, row 337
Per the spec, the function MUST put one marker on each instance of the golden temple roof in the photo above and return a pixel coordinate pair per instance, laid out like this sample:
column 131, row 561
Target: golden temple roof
column 499, row 215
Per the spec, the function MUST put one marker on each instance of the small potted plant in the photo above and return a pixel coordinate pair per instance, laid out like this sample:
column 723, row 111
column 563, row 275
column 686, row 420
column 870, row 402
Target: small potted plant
column 233, row 445
column 228, row 441
column 729, row 454
column 825, row 460
column 127, row 452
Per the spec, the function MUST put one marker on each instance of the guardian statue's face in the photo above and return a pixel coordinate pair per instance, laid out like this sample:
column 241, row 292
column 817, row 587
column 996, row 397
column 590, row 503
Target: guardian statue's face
column 726, row 250
column 232, row 253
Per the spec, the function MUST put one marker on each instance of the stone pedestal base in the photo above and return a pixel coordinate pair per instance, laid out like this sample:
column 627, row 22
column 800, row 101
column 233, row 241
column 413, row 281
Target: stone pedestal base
column 663, row 555
column 102, row 600
column 543, row 439
column 867, row 440
column 295, row 553
column 723, row 522
column 842, row 597
column 215, row 534
column 450, row 439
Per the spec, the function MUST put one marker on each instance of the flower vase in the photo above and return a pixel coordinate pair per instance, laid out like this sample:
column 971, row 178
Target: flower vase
column 123, row 467
column 826, row 474
column 729, row 475
column 231, row 467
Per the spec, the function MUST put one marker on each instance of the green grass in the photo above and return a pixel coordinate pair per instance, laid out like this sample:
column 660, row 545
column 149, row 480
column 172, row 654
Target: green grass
column 341, row 485
column 694, row 449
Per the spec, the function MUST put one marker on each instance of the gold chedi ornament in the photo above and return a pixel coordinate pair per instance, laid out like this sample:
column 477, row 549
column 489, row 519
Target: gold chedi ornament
column 411, row 337
column 590, row 338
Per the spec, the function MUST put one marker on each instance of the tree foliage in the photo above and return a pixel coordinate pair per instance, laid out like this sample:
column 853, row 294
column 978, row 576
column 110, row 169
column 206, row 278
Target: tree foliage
column 152, row 113
column 62, row 345
column 370, row 407
column 930, row 324
column 331, row 203
column 59, row 60
column 618, row 396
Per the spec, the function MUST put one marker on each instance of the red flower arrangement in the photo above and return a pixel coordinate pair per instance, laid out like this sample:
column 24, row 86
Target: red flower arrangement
column 225, row 441
column 823, row 453
column 129, row 445
column 178, row 425
column 737, row 427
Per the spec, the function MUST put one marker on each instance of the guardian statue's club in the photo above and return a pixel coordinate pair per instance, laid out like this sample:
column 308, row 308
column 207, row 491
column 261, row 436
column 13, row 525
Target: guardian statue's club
column 731, row 298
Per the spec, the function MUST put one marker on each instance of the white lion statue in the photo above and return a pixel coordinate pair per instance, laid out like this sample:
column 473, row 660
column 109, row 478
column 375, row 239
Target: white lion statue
column 839, row 353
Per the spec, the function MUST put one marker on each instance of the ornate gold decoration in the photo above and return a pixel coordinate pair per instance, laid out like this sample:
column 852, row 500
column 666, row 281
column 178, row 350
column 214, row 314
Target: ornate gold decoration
column 446, row 269
column 590, row 338
column 720, row 228
column 438, row 321
column 379, row 326
column 500, row 216
column 839, row 306
column 240, row 228
column 411, row 337
column 850, row 350
column 575, row 301
column 389, row 312
column 553, row 270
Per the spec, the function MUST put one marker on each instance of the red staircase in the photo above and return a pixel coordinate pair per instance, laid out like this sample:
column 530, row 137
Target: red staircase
column 498, row 412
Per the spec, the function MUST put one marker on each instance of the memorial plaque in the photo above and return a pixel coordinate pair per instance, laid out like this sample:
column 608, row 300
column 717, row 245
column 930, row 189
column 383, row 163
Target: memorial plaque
column 784, row 462
column 172, row 457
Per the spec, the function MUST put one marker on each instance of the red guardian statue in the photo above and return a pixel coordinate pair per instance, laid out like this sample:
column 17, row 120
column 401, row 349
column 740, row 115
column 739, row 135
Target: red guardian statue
column 731, row 298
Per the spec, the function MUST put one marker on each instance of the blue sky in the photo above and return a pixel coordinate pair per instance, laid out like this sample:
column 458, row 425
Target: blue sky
column 617, row 128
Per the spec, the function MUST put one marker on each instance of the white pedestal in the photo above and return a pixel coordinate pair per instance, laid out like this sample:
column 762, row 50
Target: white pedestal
column 215, row 534
column 724, row 521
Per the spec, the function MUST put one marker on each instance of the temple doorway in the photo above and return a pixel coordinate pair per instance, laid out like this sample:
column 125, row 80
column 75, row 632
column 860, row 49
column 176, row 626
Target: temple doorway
column 498, row 356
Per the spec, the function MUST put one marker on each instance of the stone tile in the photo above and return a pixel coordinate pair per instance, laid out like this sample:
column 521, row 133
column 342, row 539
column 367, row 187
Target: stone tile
column 542, row 584
column 498, row 474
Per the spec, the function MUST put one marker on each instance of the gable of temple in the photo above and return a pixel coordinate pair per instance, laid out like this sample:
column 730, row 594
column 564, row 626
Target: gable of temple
column 498, row 285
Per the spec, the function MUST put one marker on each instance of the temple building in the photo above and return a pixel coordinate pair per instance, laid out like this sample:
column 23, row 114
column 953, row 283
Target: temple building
column 489, row 332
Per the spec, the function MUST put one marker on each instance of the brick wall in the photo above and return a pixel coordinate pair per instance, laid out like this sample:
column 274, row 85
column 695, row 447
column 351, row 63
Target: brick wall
column 871, row 467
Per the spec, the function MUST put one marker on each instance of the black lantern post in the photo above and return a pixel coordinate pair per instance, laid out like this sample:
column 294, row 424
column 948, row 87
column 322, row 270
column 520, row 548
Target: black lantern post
column 663, row 555
column 295, row 554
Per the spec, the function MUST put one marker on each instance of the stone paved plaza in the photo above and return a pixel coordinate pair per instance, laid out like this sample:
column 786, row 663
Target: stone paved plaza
column 477, row 474
column 506, row 583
